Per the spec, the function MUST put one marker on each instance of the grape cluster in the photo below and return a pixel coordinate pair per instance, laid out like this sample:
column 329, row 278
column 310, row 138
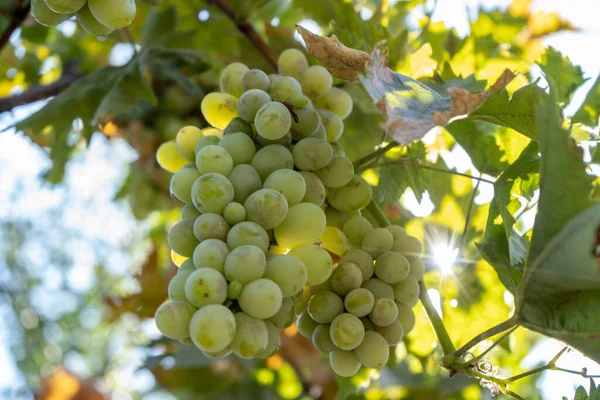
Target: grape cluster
column 270, row 202
column 97, row 17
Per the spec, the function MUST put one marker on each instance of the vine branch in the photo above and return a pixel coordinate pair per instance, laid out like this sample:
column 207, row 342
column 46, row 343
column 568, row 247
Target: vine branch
column 19, row 14
column 379, row 152
column 493, row 331
column 247, row 29
column 436, row 321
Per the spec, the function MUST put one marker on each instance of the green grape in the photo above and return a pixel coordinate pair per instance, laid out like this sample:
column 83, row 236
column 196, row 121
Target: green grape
column 338, row 150
column 271, row 158
column 285, row 88
column 189, row 211
column 347, row 331
column 322, row 340
column 274, row 342
column 334, row 240
column 356, row 228
column 406, row 316
column 238, row 125
column 245, row 264
column 334, row 126
column 335, row 218
column 65, row 6
column 206, row 286
column 417, row 268
column 352, row 197
column 392, row 333
column 392, row 267
column 177, row 286
column 218, row 354
column 239, row 146
column 245, row 181
column 187, row 265
column 337, row 101
column 87, row 21
column 255, row 79
column 315, row 190
column 250, row 102
column 210, row 131
column 377, row 242
column 292, row 62
column 213, row 328
column 234, row 289
column 214, row 159
column 211, row 253
column 306, row 325
column 248, row 233
column 207, row 141
column 344, row 363
column 115, row 14
column 307, row 124
column 324, row 306
column 231, row 79
column 234, row 213
column 288, row 273
column 289, row 183
column 407, row 292
column 211, row 226
column 266, row 207
column 251, row 336
column 359, row 302
column 181, row 238
column 325, row 286
column 320, row 133
column 373, row 352
column 311, row 154
column 380, row 289
column 369, row 326
column 316, row 82
column 337, row 173
column 304, row 223
column 169, row 158
column 410, row 246
column 317, row 261
column 346, row 276
column 44, row 15
column 173, row 319
column 186, row 140
column 397, row 232
column 261, row 298
column 384, row 312
column 211, row 193
column 285, row 141
column 363, row 260
column 286, row 314
column 219, row 109
column 181, row 184
column 273, row 120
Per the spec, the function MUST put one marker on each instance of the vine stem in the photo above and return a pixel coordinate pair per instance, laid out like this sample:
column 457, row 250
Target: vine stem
column 496, row 343
column 493, row 331
column 436, row 321
column 379, row 152
column 378, row 214
column 19, row 14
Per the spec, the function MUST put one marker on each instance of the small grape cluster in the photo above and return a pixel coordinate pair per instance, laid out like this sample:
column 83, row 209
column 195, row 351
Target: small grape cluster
column 271, row 201
column 96, row 17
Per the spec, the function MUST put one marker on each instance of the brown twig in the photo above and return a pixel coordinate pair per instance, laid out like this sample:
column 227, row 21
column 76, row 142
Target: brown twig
column 247, row 29
column 18, row 16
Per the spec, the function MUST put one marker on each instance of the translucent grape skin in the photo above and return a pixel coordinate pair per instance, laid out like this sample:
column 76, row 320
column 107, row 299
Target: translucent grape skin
column 238, row 125
column 274, row 341
column 289, row 183
column 173, row 319
column 337, row 173
column 359, row 302
column 346, row 277
column 266, row 207
column 245, row 264
column 210, row 226
column 406, row 316
column 347, row 331
column 234, row 289
column 292, row 62
column 363, row 260
column 352, row 197
column 87, row 21
column 315, row 190
column 316, row 82
column 245, row 181
column 213, row 328
column 65, row 6
column 211, row 193
column 177, row 286
column 251, row 336
column 417, row 268
column 334, row 126
column 392, row 267
column 322, row 340
column 206, row 286
column 219, row 108
column 334, row 240
column 324, row 306
column 168, row 157
column 248, row 233
column 317, row 261
column 231, row 79
column 239, row 146
column 304, row 223
column 392, row 333
column 335, row 217
column 273, row 120
column 211, row 253
column 306, row 325
column 206, row 141
column 344, row 363
column 261, row 299
column 373, row 352
column 234, row 213
column 181, row 184
column 308, row 122
column 286, row 314
column 45, row 16
column 285, row 88
column 285, row 140
column 272, row 158
column 407, row 291
column 384, row 312
column 288, row 273
column 256, row 79
column 311, row 154
column 116, row 14
column 181, row 238
column 189, row 211
column 337, row 101
column 377, row 242
column 250, row 102
column 379, row 289
column 186, row 140
column 410, row 246
column 356, row 228
column 214, row 159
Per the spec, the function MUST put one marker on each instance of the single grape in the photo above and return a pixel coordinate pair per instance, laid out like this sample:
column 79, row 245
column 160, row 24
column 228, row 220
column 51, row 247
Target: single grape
column 359, row 302
column 356, row 228
column 211, row 226
column 334, row 126
column 181, row 238
column 206, row 286
column 417, row 268
column 392, row 267
column 87, row 21
column 346, row 276
column 369, row 326
column 173, row 319
column 234, row 213
column 316, row 82
column 206, row 141
column 317, row 261
column 285, row 140
column 234, row 289
column 337, row 101
column 406, row 316
column 306, row 325
column 231, row 79
column 320, row 133
column 311, row 154
column 337, row 173
column 344, row 363
column 322, row 340
column 384, row 312
column 335, row 218
column 274, row 342
column 308, row 122
column 266, row 207
column 261, row 298
column 116, row 14
column 335, row 241
column 238, row 125
column 211, row 253
column 177, row 286
column 289, row 183
column 324, row 306
column 45, row 16
column 285, row 88
column 211, row 193
column 315, row 191
column 392, row 333
column 363, row 260
column 255, row 79
column 407, row 291
column 346, row 331
column 187, row 265
column 288, row 273
column 251, row 336
column 214, row 159
column 181, row 184
column 189, row 211
column 186, row 140
column 379, row 289
column 219, row 109
column 245, row 181
column 338, row 150
column 169, row 158
column 377, row 242
column 65, row 6
column 374, row 351
column 273, row 120
column 325, row 286
column 248, row 233
column 304, row 223
column 245, row 264
column 177, row 259
column 292, row 62
column 210, row 131
column 397, row 232
column 352, row 197
column 213, row 328
column 272, row 158
column 218, row 354
column 410, row 246
column 239, row 146
column 286, row 314
column 250, row 102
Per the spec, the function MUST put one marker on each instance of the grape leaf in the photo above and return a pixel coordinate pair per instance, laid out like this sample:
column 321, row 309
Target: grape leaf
column 567, row 76
column 159, row 26
column 589, row 111
column 395, row 178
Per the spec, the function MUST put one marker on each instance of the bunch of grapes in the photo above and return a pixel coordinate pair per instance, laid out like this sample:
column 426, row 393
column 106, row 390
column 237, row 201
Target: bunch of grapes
column 97, row 17
column 272, row 226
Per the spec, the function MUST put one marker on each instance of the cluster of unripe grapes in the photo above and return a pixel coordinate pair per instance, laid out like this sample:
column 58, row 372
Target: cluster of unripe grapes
column 272, row 227
column 97, row 17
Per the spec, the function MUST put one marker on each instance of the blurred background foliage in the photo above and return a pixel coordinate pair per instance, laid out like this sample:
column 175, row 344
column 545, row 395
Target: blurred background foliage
column 84, row 260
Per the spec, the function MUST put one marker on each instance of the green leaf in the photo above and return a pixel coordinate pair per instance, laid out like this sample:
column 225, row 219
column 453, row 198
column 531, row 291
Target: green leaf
column 567, row 76
column 159, row 26
column 596, row 156
column 394, row 179
column 589, row 111
column 171, row 63
column 581, row 394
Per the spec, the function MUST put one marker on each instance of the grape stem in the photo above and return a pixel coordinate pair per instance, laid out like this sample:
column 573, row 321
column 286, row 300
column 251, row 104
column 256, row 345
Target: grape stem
column 379, row 152
column 436, row 321
column 248, row 30
column 378, row 214
column 493, row 331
